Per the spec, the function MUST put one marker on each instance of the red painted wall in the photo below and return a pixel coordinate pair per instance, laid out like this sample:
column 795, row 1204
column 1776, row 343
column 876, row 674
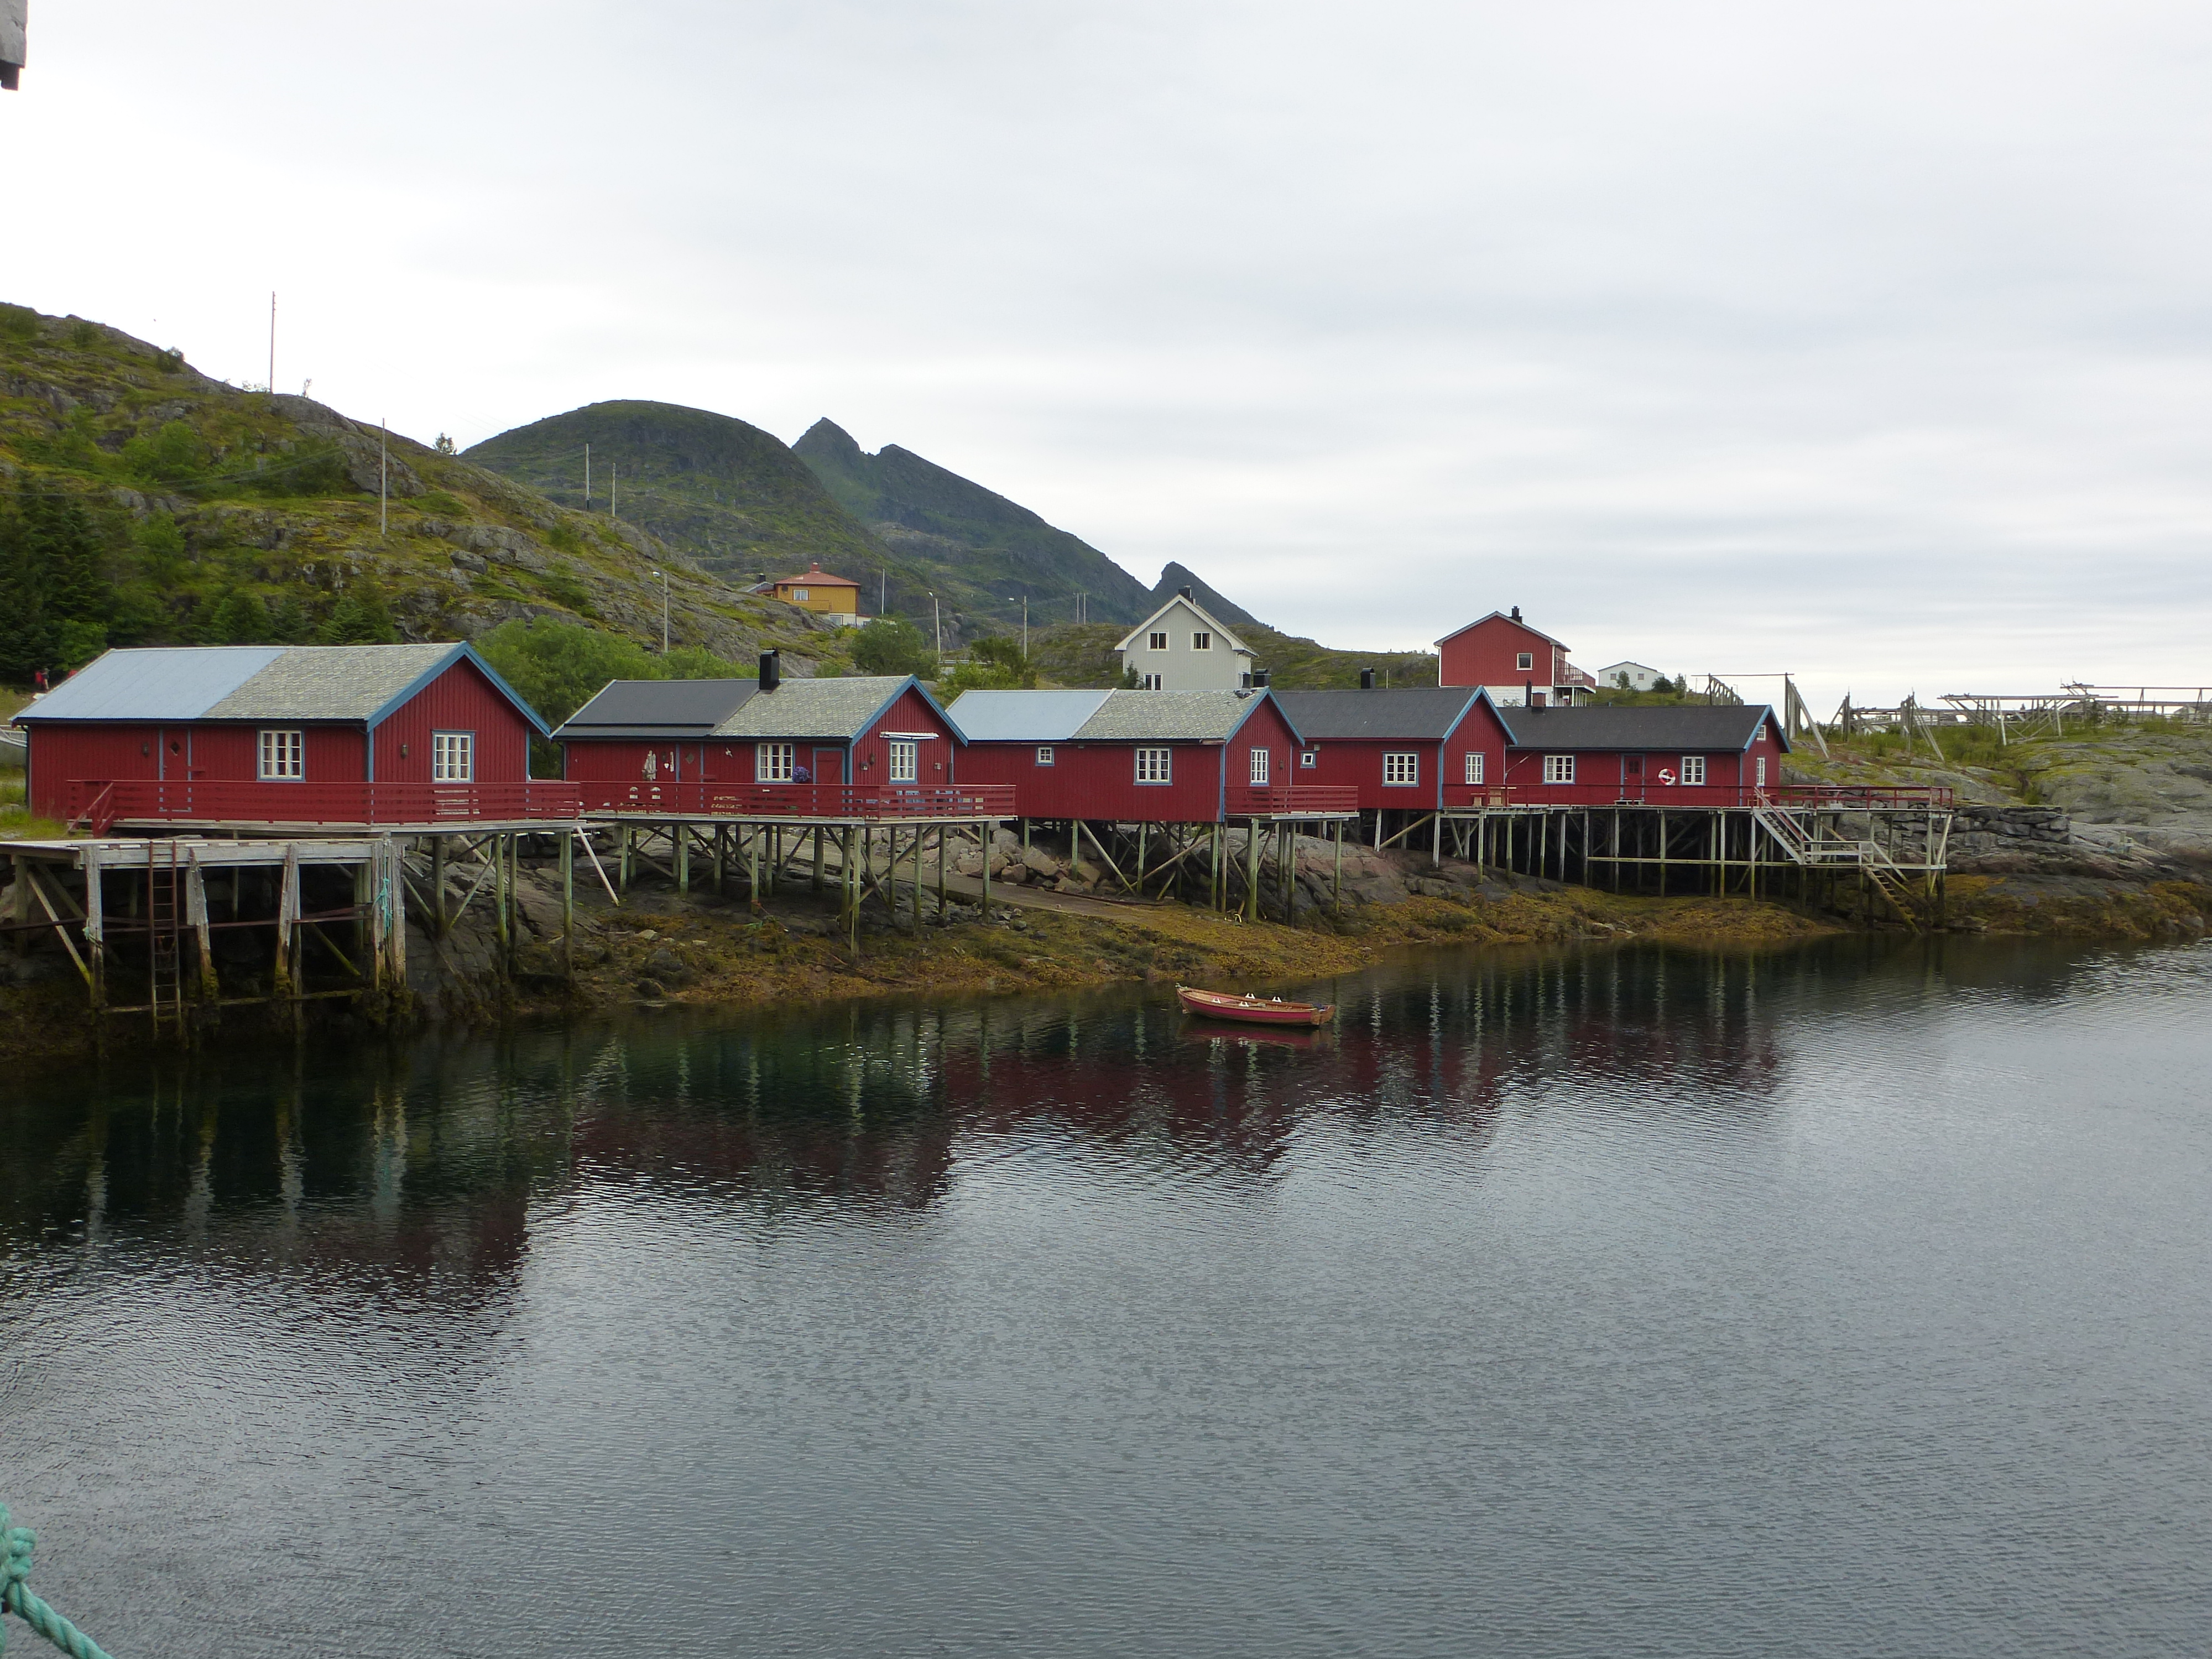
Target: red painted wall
column 1488, row 652
column 459, row 700
column 1358, row 763
column 228, row 752
column 1098, row 780
column 934, row 764
column 734, row 761
column 1603, row 777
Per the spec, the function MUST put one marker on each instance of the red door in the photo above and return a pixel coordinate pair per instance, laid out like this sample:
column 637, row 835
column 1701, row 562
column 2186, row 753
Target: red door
column 1631, row 777
column 828, row 766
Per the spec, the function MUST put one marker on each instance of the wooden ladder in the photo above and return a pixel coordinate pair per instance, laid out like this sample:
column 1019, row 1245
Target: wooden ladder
column 163, row 935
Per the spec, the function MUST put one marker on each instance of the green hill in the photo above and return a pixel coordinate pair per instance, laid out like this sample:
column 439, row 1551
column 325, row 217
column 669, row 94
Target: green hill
column 143, row 502
column 1084, row 655
column 981, row 552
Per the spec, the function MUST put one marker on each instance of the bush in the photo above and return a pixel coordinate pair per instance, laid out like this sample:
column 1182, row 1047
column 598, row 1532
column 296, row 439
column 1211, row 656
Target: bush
column 892, row 645
column 992, row 665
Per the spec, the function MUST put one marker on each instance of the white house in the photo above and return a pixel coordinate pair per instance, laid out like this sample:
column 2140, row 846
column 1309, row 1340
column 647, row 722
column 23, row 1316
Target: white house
column 1180, row 648
column 1640, row 678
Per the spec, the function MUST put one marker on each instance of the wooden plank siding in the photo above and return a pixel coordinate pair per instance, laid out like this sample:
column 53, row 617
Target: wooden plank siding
column 1098, row 780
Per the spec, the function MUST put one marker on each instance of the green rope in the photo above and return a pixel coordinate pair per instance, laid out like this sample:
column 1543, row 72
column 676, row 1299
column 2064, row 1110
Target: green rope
column 16, row 1598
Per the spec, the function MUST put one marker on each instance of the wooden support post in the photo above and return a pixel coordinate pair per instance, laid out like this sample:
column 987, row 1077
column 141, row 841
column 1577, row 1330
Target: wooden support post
column 940, row 874
column 627, row 835
column 849, row 877
column 23, row 917
column 96, row 942
column 987, row 834
column 499, row 893
column 1141, row 827
column 1436, row 850
column 442, row 922
column 209, row 992
column 394, row 890
column 682, row 833
column 286, row 985
column 1252, row 869
column 568, row 899
column 1336, row 880
column 752, row 865
column 818, row 858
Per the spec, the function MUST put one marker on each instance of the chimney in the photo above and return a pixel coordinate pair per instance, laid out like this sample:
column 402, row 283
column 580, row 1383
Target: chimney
column 1183, row 592
column 771, row 670
column 1516, row 613
column 1259, row 679
column 1527, row 694
column 1245, row 684
column 1366, row 679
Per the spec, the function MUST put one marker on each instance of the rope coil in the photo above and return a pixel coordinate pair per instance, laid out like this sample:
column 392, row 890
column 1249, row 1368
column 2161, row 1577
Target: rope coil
column 15, row 1597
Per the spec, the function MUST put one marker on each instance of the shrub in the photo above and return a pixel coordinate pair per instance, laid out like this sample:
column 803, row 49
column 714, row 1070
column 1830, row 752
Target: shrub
column 892, row 645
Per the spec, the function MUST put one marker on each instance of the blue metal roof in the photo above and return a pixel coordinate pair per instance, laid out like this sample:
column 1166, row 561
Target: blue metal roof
column 1024, row 716
column 164, row 683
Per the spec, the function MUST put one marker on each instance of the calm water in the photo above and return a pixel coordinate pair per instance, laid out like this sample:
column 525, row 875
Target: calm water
column 1849, row 1301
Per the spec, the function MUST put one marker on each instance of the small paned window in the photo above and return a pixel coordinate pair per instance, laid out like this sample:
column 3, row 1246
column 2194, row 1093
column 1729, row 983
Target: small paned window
column 1474, row 766
column 905, row 753
column 1259, row 764
column 1693, row 768
column 799, row 593
column 1202, row 641
column 1558, row 768
column 1157, row 643
column 1760, row 781
column 1152, row 766
column 1148, row 683
column 1044, row 754
column 453, row 758
column 283, row 756
column 1527, row 659
column 1308, row 757
column 772, row 761
column 1401, row 769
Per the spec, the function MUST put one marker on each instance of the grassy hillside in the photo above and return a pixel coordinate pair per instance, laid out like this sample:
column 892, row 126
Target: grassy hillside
column 1085, row 656
column 733, row 496
column 141, row 502
column 978, row 550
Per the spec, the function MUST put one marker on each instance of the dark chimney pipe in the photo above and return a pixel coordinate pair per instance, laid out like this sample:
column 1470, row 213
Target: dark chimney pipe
column 1366, row 679
column 771, row 670
column 1183, row 591
column 1516, row 613
column 1527, row 694
column 1259, row 679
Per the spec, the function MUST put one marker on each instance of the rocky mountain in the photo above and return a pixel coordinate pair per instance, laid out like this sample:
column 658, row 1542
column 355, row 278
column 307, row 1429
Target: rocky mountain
column 1175, row 577
column 979, row 552
column 143, row 502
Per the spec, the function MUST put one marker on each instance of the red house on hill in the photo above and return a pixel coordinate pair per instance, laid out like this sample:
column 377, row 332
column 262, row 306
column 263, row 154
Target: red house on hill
column 1515, row 662
column 275, row 733
column 1397, row 748
column 1132, row 757
column 709, row 745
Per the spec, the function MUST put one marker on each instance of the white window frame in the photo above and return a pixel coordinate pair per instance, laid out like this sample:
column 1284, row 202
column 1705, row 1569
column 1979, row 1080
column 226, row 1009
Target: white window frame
column 800, row 594
column 1558, row 768
column 1308, row 757
column 1261, row 763
column 1401, row 769
column 282, row 752
column 1155, row 766
column 1150, row 682
column 1044, row 754
column 1202, row 641
column 1525, row 662
column 1155, row 641
column 1474, row 766
column 772, row 762
column 1693, row 770
column 1760, row 782
column 444, row 747
column 902, row 760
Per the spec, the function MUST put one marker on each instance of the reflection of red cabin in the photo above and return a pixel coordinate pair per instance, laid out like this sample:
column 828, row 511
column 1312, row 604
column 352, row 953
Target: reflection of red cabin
column 882, row 730
column 278, row 715
column 1719, row 755
column 1399, row 747
column 1128, row 757
column 1503, row 653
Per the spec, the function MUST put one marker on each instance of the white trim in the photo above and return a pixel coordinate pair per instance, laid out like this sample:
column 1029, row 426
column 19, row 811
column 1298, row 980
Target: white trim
column 290, row 752
column 1165, row 760
column 1409, row 766
column 440, row 742
column 1226, row 637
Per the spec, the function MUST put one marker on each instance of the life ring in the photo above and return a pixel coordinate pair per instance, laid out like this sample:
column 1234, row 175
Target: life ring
column 1666, row 774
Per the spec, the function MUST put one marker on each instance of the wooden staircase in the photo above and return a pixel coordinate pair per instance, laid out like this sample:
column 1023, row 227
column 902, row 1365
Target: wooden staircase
column 1816, row 851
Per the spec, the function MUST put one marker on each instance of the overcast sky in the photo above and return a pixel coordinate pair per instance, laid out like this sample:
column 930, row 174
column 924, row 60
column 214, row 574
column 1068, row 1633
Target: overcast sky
column 1872, row 342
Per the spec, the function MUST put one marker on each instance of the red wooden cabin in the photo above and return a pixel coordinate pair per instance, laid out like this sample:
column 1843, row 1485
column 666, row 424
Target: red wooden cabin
column 1135, row 756
column 1719, row 755
column 253, row 733
column 819, row 747
column 1514, row 660
column 1397, row 748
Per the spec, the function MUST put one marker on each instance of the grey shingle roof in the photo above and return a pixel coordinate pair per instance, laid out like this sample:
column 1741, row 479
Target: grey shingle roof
column 331, row 682
column 813, row 709
column 657, row 708
column 1168, row 716
column 1024, row 716
column 1690, row 726
column 1408, row 713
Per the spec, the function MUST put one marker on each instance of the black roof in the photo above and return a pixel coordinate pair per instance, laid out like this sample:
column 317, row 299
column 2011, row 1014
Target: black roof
column 658, row 708
column 1690, row 726
column 1407, row 713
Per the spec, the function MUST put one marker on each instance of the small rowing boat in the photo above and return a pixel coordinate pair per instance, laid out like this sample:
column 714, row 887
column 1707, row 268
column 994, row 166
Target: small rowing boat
column 1254, row 1010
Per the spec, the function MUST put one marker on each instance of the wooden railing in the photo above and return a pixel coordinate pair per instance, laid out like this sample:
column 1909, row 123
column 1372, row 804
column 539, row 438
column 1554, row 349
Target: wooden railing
column 102, row 802
column 1464, row 797
column 845, row 802
column 1282, row 800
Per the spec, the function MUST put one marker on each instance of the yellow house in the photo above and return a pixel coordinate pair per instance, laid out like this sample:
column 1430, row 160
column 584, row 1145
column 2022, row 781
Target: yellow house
column 818, row 590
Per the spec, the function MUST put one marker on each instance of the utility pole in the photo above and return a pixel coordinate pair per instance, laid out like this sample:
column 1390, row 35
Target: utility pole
column 587, row 477
column 663, row 613
column 272, row 342
column 383, row 492
column 938, row 611
column 1026, row 622
column 884, row 594
column 614, row 491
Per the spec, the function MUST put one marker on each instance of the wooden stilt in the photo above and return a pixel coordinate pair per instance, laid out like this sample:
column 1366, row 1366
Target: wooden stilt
column 568, row 898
